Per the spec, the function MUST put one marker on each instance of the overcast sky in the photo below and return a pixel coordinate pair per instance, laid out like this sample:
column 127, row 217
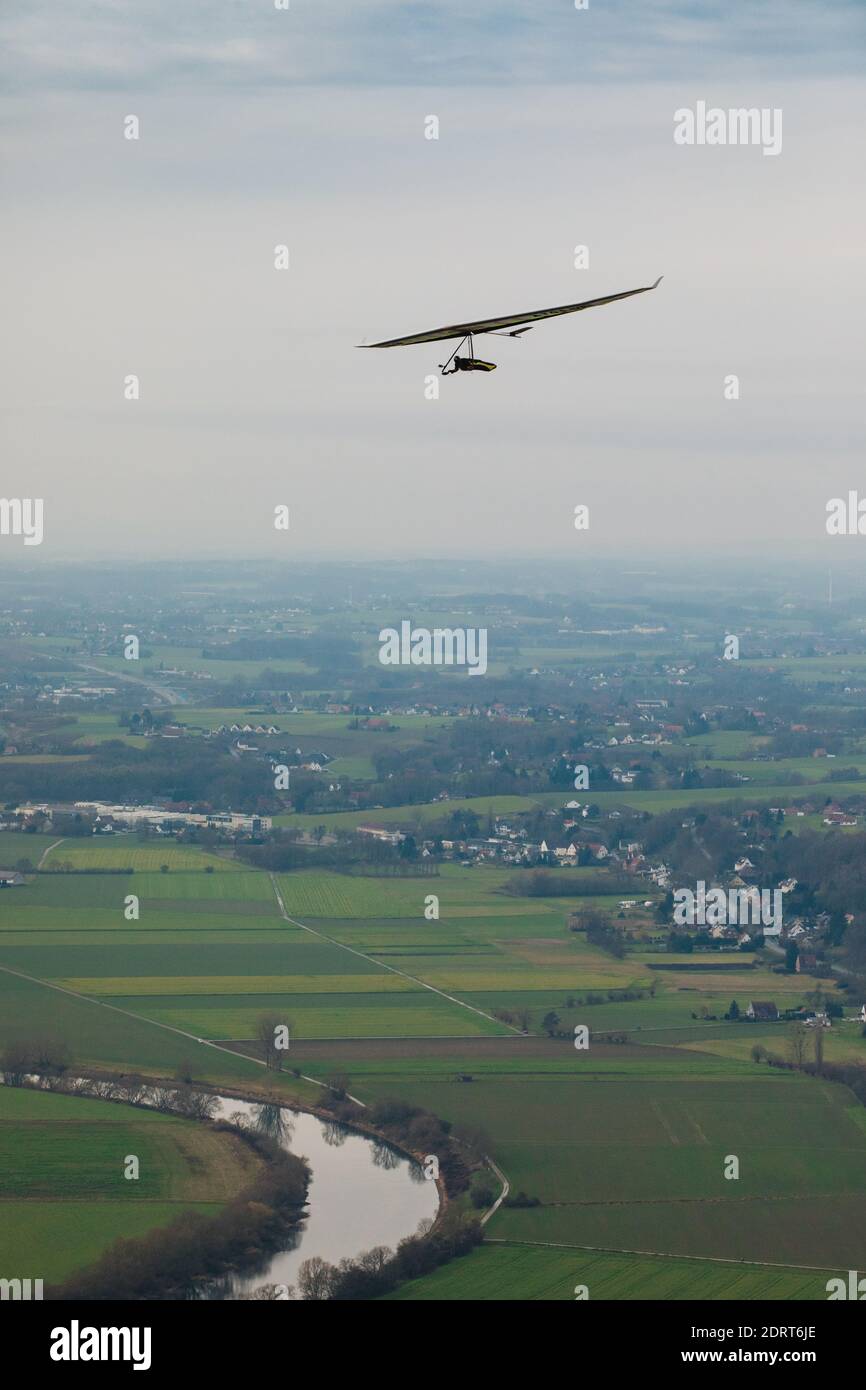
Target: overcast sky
column 307, row 128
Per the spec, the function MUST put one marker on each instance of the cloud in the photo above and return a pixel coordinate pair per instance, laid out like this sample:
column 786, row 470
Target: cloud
column 118, row 44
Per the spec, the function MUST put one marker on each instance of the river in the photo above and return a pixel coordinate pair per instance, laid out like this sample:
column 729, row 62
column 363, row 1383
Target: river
column 361, row 1193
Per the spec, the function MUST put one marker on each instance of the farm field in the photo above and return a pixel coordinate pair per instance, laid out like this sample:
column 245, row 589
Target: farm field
column 810, row 769
column 90, row 730
column 477, row 892
column 510, row 1272
column 725, row 743
column 842, row 1043
column 630, row 1154
column 41, row 759
column 210, row 952
column 407, row 1016
column 15, row 846
column 112, row 852
column 63, row 1195
column 623, row 1145
column 102, row 1037
column 656, row 800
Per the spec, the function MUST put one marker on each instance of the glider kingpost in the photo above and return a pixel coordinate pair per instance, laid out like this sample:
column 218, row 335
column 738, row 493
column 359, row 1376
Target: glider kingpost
column 508, row 326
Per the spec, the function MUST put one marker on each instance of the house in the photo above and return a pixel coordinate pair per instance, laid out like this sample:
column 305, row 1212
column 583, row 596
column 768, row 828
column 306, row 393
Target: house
column 388, row 837
column 10, row 878
column 762, row 1011
column 806, row 960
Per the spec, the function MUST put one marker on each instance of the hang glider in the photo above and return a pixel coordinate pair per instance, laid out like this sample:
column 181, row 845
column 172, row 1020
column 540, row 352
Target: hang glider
column 508, row 326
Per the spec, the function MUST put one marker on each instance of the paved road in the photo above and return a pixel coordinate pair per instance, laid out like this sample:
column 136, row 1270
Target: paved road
column 163, row 693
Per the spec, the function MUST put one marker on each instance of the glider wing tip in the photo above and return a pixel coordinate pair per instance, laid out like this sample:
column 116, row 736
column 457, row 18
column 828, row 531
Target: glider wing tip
column 658, row 282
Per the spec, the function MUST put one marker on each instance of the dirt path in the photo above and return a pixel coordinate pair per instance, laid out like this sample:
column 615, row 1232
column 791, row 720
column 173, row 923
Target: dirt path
column 382, row 965
column 506, row 1188
column 47, row 851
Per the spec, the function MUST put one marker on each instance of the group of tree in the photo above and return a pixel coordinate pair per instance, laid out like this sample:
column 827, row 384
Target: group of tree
column 380, row 1270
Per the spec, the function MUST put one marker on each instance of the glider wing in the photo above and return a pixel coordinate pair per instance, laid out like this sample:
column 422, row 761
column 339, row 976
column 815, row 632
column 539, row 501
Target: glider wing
column 460, row 330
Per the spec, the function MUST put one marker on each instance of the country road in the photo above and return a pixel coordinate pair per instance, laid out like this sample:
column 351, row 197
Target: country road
column 163, row 692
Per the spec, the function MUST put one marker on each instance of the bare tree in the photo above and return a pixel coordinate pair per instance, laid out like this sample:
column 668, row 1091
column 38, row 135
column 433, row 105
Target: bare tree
column 16, row 1063
column 315, row 1279
column 819, row 1046
column 198, row 1105
column 49, row 1057
column 132, row 1089
column 374, row 1261
column 163, row 1098
column 271, row 1293
column 798, row 1039
column 273, row 1032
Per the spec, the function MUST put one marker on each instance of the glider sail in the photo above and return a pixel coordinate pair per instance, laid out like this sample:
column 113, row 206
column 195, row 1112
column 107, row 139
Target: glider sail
column 463, row 330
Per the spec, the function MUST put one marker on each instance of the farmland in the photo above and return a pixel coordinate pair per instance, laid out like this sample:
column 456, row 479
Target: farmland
column 631, row 1154
column 91, row 855
column 340, row 955
column 507, row 1271
column 63, row 1194
column 454, row 968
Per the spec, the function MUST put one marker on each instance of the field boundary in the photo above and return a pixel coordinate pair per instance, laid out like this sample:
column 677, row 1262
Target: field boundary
column 661, row 1255
column 381, row 964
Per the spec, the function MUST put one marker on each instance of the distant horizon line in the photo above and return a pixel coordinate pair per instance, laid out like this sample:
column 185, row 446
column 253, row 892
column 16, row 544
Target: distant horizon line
column 815, row 555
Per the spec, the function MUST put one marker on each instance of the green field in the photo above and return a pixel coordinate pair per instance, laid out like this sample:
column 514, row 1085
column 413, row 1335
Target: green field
column 624, row 1146
column 120, row 852
column 14, row 846
column 508, row 1272
column 63, row 1194
column 630, row 1155
column 660, row 799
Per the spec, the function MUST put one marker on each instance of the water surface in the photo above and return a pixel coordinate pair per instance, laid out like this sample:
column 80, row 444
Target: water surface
column 362, row 1193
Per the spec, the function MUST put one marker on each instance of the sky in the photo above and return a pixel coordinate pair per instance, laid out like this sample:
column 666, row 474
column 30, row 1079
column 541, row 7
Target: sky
column 306, row 128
